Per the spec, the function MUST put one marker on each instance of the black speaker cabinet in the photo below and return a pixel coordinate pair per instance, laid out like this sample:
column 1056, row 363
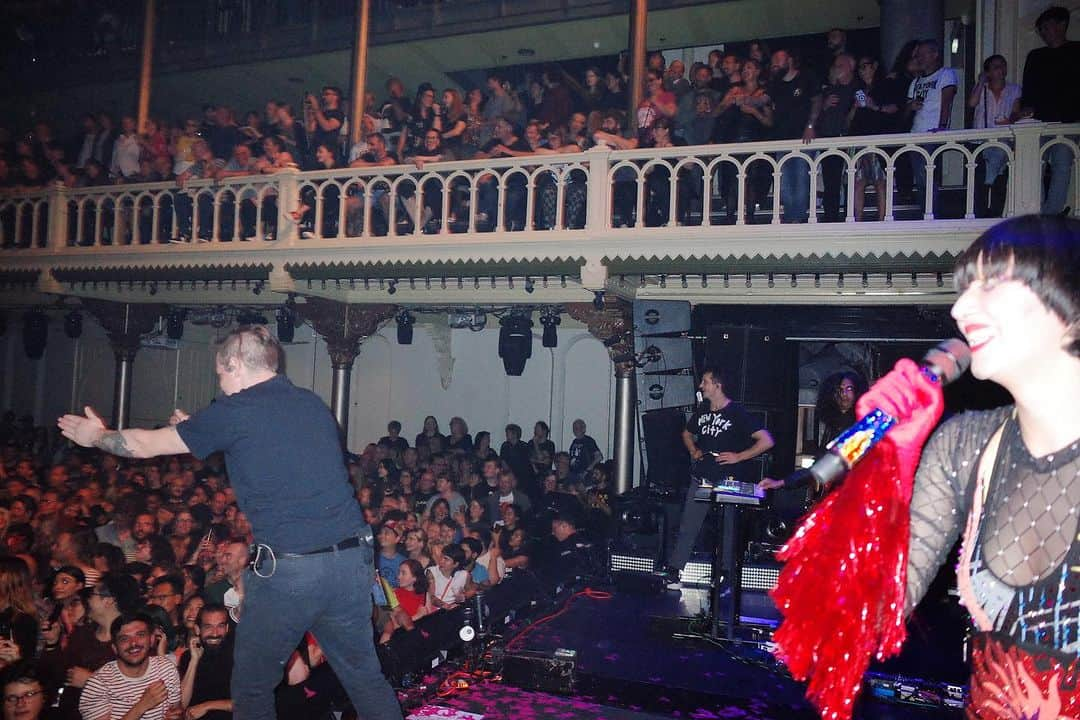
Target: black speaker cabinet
column 662, row 354
column 753, row 360
column 658, row 392
column 660, row 317
column 668, row 461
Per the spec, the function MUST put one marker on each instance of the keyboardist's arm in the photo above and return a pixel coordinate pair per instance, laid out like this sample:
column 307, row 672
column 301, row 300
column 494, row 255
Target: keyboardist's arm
column 691, row 445
column 763, row 442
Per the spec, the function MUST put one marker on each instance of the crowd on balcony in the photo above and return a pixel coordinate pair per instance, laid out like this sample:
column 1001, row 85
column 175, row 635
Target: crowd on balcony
column 762, row 94
column 101, row 554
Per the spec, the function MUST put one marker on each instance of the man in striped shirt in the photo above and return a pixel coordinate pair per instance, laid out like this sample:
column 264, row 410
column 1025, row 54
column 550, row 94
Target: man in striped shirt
column 135, row 686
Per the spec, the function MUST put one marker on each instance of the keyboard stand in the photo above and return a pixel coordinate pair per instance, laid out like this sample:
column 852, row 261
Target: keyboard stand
column 726, row 563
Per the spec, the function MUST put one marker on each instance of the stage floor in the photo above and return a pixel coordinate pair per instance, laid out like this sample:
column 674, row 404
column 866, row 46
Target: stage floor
column 637, row 657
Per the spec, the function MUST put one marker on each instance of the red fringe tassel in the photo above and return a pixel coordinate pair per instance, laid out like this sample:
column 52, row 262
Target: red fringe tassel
column 842, row 588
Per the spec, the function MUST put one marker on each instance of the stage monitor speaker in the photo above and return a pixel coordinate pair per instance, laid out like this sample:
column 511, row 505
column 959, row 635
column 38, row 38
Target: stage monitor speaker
column 547, row 671
column 753, row 360
column 660, row 354
column 658, row 392
column 661, row 317
column 666, row 455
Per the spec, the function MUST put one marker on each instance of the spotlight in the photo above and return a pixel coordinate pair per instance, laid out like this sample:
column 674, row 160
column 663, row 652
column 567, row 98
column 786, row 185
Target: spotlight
column 550, row 321
column 73, row 324
column 598, row 299
column 153, row 288
column 286, row 328
column 174, row 323
column 391, row 286
column 405, row 323
column 35, row 334
column 515, row 343
column 250, row 317
column 529, row 285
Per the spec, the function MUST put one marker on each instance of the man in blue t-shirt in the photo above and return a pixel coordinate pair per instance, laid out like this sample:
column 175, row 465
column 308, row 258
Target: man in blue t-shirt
column 314, row 563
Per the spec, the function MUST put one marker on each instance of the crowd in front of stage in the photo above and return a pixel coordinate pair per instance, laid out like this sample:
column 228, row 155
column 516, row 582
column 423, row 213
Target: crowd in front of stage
column 125, row 578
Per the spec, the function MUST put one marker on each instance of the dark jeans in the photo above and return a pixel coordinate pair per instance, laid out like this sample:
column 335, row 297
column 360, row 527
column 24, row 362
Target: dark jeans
column 832, row 175
column 694, row 511
column 329, row 594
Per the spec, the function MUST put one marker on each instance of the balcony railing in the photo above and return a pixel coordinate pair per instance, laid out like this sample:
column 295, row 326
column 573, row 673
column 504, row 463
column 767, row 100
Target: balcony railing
column 598, row 197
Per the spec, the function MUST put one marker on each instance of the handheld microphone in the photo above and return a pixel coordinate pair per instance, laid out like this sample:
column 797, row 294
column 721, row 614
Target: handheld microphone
column 944, row 362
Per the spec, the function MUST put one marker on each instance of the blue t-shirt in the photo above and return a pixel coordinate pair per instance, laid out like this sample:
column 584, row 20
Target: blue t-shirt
column 285, row 463
column 480, row 574
column 388, row 567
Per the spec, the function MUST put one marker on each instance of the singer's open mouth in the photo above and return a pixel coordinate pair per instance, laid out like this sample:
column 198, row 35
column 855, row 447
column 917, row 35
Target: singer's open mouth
column 977, row 335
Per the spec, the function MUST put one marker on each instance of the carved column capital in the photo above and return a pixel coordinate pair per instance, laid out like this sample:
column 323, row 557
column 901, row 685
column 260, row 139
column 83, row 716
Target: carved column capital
column 613, row 325
column 125, row 323
column 343, row 326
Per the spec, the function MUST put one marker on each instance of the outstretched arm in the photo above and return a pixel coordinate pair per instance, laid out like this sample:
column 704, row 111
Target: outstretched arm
column 89, row 431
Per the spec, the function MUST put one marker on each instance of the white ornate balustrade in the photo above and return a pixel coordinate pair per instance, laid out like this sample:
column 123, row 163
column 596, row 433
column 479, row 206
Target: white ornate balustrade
column 603, row 211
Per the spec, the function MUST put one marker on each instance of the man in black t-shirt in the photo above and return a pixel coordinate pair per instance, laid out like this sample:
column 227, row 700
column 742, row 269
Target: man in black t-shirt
column 721, row 438
column 796, row 97
column 1050, row 94
column 505, row 142
column 324, row 119
column 393, row 439
column 287, row 467
column 837, row 99
column 584, row 452
column 209, row 661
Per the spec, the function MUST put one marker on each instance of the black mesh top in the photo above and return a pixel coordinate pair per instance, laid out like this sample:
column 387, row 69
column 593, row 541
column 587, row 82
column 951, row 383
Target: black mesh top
column 1025, row 567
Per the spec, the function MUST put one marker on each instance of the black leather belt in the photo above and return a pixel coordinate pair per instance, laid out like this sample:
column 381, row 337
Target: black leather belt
column 347, row 543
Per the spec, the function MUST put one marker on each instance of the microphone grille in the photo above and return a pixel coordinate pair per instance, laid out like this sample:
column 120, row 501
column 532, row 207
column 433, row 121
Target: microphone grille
column 949, row 359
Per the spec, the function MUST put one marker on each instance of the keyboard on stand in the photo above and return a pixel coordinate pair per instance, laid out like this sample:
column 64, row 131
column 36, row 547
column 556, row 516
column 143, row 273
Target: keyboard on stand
column 729, row 490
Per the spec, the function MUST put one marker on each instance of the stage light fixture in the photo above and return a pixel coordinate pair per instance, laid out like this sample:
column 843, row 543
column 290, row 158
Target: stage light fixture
column 35, row 333
column 405, row 321
column 598, row 299
column 250, row 317
column 529, row 285
column 515, row 343
column 286, row 322
column 174, row 323
column 73, row 322
column 391, row 286
column 550, row 321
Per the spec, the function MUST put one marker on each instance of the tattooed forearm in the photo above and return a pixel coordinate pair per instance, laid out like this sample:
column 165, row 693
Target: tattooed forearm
column 113, row 443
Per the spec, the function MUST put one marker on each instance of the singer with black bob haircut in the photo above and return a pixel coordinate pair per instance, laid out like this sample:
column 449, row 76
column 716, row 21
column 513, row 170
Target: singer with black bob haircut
column 1006, row 482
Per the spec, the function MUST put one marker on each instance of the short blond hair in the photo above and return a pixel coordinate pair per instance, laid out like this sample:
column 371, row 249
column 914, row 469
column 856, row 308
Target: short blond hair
column 253, row 347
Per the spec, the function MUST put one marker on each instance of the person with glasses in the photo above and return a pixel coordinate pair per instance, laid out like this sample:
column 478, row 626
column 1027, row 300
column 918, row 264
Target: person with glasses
column 67, row 668
column 834, row 413
column 167, row 593
column 24, row 693
column 426, row 115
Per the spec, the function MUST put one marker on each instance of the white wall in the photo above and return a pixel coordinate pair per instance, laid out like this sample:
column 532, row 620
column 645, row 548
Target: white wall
column 442, row 373
column 406, row 383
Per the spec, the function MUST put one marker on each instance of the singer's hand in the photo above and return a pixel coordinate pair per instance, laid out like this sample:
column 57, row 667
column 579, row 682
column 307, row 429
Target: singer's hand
column 915, row 400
